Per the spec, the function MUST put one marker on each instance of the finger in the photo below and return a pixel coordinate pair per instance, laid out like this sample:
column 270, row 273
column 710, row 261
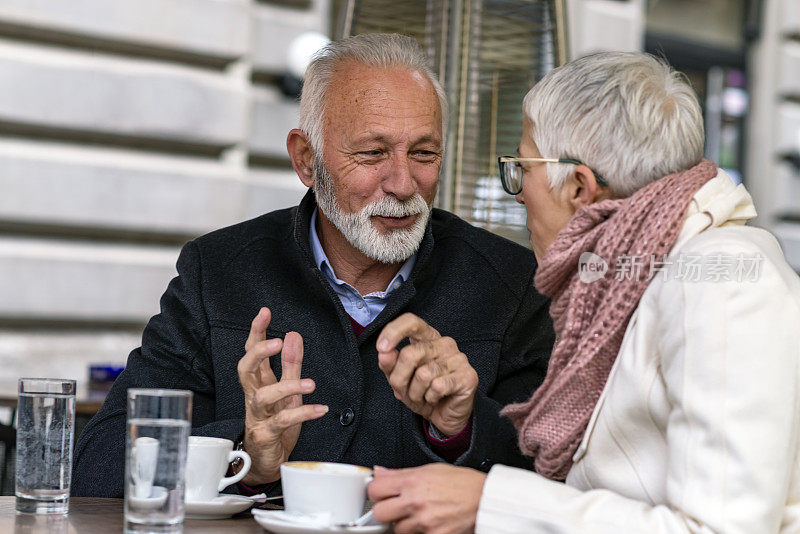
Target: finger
column 443, row 349
column 387, row 361
column 421, row 381
column 384, row 486
column 407, row 325
column 252, row 361
column 441, row 387
column 292, row 356
column 267, row 396
column 258, row 328
column 411, row 357
column 458, row 376
column 391, row 510
column 252, row 375
column 265, row 373
column 290, row 417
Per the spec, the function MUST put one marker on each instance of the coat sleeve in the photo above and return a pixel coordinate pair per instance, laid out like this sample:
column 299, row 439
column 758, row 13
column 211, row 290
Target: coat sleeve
column 729, row 362
column 522, row 365
column 174, row 355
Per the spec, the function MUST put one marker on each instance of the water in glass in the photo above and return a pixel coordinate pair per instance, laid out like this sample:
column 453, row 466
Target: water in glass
column 154, row 473
column 45, row 423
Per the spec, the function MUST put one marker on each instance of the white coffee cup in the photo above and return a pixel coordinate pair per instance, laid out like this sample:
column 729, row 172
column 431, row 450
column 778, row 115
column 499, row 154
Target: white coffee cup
column 206, row 465
column 314, row 488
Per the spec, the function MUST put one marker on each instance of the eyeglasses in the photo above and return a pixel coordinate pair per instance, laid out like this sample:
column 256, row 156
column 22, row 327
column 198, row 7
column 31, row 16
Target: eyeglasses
column 511, row 171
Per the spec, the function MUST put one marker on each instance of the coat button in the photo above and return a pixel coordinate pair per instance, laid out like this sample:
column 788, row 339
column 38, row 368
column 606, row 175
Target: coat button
column 347, row 417
column 486, row 465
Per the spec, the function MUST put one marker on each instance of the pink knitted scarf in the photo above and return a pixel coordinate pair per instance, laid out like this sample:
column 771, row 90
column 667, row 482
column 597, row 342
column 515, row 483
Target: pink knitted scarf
column 590, row 318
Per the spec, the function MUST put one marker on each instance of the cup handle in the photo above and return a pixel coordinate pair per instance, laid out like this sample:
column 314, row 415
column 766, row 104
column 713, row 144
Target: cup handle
column 227, row 481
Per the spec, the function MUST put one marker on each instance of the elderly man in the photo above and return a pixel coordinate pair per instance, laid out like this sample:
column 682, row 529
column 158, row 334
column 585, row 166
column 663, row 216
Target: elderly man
column 317, row 302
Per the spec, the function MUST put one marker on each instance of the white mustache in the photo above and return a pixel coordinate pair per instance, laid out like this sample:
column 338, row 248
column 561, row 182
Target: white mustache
column 389, row 206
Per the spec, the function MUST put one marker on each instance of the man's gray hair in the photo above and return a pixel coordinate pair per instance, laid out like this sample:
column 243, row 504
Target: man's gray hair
column 627, row 115
column 380, row 50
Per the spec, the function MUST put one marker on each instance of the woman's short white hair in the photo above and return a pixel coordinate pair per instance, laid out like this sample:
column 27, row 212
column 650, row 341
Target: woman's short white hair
column 627, row 115
column 379, row 50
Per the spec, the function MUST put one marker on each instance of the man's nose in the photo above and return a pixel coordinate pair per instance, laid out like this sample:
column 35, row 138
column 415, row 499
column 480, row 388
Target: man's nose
column 399, row 179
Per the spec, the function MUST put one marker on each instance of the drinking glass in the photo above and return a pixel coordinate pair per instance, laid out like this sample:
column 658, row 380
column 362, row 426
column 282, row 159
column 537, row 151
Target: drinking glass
column 159, row 421
column 45, row 432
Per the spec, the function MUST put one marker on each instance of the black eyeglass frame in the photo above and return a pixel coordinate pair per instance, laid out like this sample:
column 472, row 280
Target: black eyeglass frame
column 506, row 161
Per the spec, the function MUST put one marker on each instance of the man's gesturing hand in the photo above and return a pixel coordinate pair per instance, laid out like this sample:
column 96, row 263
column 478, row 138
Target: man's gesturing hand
column 431, row 376
column 274, row 410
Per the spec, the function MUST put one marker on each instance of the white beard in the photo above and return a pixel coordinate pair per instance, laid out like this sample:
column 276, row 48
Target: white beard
column 396, row 245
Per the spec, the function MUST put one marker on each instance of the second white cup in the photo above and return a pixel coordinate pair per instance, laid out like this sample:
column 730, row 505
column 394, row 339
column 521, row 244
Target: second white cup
column 338, row 490
column 206, row 465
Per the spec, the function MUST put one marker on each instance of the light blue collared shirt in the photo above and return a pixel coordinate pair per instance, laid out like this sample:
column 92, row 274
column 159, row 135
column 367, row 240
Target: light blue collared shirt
column 364, row 309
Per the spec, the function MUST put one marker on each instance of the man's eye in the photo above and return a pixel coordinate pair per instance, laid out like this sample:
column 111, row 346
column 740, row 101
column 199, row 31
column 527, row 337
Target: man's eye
column 426, row 155
column 371, row 153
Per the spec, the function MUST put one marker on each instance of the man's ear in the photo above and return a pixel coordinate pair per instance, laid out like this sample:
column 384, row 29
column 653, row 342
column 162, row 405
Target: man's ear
column 302, row 155
column 584, row 189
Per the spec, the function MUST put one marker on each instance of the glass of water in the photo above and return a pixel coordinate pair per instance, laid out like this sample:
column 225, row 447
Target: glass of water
column 45, row 432
column 159, row 421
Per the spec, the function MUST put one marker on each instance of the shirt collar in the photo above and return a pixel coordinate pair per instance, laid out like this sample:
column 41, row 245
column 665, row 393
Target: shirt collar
column 321, row 261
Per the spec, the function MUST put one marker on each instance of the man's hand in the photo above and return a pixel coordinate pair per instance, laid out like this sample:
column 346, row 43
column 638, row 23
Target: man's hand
column 435, row 498
column 431, row 376
column 274, row 410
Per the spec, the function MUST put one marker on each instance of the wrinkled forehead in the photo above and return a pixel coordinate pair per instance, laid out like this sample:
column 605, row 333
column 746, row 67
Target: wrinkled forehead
column 361, row 97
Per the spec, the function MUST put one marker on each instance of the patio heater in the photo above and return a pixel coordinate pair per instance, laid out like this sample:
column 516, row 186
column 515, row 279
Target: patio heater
column 487, row 53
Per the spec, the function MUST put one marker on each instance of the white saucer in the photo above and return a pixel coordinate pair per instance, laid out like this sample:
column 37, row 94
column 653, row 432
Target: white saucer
column 158, row 496
column 277, row 522
column 224, row 506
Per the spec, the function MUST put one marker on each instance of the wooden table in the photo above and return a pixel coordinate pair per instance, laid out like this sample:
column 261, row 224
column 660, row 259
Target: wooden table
column 102, row 516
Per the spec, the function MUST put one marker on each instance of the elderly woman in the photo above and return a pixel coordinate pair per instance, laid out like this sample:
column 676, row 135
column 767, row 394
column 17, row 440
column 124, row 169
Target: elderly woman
column 672, row 398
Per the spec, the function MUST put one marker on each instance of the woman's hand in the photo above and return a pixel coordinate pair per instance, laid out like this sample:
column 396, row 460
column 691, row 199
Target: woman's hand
column 434, row 498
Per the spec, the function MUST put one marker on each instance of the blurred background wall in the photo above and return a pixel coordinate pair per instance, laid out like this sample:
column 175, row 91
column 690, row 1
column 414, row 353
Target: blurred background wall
column 127, row 127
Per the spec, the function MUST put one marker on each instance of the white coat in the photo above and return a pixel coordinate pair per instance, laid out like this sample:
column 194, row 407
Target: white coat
column 697, row 427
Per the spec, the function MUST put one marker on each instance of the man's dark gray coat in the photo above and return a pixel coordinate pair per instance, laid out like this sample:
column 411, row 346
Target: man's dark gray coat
column 467, row 283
